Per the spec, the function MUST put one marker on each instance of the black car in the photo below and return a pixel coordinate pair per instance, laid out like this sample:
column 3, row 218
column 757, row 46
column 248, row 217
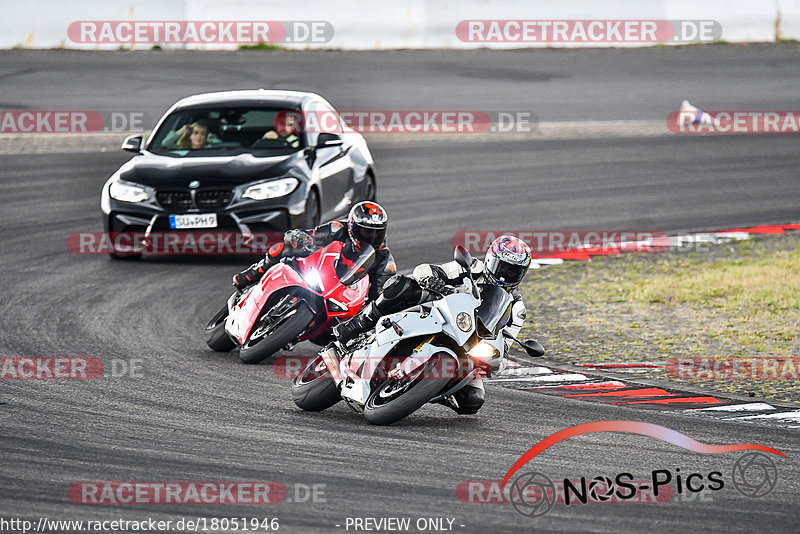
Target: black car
column 237, row 162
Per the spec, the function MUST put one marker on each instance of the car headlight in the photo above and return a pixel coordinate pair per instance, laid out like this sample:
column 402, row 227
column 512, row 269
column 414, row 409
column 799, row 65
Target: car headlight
column 271, row 189
column 127, row 192
column 313, row 279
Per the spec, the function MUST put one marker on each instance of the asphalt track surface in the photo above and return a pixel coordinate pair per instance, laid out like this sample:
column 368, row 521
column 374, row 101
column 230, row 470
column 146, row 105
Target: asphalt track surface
column 556, row 85
column 194, row 415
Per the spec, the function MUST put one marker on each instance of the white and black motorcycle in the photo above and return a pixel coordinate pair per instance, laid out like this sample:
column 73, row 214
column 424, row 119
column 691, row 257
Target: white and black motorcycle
column 423, row 354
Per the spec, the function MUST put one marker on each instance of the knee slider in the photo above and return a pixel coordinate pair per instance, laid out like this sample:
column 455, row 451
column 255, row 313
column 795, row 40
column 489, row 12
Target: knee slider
column 399, row 292
column 470, row 400
column 395, row 286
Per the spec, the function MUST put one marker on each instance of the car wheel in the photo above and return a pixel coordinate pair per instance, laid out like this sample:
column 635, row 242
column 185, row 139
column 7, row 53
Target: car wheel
column 312, row 209
column 124, row 252
column 370, row 189
column 125, row 255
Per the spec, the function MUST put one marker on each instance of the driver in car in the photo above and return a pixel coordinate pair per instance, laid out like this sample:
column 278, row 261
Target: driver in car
column 365, row 225
column 506, row 262
column 285, row 129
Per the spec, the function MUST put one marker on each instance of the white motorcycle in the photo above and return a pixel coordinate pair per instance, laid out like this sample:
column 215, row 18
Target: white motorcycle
column 423, row 354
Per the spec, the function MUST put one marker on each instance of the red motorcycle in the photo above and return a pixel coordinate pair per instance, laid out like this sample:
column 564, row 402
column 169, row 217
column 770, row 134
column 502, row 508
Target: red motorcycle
column 298, row 299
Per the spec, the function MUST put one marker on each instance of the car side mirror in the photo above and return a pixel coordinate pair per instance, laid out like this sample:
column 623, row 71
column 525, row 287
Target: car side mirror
column 462, row 257
column 132, row 143
column 326, row 140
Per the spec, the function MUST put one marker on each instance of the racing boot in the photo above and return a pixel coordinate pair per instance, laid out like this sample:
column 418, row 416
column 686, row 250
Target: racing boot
column 399, row 292
column 253, row 274
column 364, row 320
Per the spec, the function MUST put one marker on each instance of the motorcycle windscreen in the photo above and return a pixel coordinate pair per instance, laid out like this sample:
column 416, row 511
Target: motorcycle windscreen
column 494, row 312
column 352, row 264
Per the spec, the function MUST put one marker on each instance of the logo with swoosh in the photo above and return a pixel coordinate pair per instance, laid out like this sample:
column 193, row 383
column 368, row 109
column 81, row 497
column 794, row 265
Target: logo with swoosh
column 533, row 494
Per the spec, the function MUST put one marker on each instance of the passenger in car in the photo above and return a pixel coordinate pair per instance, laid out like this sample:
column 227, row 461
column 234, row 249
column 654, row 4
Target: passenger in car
column 191, row 136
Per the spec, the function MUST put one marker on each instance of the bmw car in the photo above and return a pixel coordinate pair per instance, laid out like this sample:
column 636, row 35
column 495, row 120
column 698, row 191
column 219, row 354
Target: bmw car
column 238, row 162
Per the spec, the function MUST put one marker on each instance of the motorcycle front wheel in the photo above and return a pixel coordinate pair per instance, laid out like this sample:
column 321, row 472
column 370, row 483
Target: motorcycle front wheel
column 216, row 337
column 396, row 399
column 265, row 340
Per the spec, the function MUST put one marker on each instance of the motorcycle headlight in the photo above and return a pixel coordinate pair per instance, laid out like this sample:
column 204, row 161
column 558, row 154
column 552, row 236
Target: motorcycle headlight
column 464, row 322
column 313, row 279
column 484, row 351
column 127, row 192
column 271, row 189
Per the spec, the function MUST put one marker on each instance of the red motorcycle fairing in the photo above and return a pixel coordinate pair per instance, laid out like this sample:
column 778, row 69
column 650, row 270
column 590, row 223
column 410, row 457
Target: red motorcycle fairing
column 347, row 300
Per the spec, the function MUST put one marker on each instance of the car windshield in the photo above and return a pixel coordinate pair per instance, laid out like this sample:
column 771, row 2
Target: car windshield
column 228, row 131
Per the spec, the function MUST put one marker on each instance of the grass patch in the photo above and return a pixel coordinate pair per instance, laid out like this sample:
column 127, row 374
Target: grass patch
column 749, row 285
column 734, row 299
column 261, row 46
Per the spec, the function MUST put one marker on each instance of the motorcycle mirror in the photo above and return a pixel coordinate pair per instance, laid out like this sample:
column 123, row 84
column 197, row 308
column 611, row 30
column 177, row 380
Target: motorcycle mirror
column 462, row 257
column 533, row 348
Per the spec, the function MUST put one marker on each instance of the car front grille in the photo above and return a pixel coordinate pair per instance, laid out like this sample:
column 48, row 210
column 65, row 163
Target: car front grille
column 176, row 200
column 213, row 198
column 205, row 199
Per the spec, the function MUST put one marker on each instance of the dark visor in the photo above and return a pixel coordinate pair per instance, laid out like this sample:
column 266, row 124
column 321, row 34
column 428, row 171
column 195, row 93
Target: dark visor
column 372, row 236
column 506, row 273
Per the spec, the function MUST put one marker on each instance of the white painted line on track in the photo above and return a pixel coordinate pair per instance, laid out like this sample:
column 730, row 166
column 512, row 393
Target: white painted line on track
column 589, row 386
column 727, row 236
column 750, row 407
column 547, row 261
column 551, row 378
column 793, row 417
column 524, row 371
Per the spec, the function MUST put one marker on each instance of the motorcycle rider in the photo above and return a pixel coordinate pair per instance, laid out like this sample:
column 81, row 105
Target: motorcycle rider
column 506, row 262
column 365, row 225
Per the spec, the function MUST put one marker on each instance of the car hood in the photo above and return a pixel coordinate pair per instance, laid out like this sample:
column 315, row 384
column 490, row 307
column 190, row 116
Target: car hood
column 160, row 171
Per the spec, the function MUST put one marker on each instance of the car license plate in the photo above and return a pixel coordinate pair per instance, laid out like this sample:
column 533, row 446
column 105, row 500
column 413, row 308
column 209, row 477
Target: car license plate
column 196, row 220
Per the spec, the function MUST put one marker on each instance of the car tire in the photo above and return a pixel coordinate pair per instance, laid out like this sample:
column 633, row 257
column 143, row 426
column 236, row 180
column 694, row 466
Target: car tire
column 312, row 209
column 370, row 188
column 124, row 253
column 125, row 256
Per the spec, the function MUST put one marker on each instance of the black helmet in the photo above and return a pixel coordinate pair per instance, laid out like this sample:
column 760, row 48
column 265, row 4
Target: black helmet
column 367, row 223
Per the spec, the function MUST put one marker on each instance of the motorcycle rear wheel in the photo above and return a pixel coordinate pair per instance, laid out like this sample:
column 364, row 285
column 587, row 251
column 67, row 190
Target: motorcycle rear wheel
column 256, row 350
column 395, row 399
column 314, row 389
